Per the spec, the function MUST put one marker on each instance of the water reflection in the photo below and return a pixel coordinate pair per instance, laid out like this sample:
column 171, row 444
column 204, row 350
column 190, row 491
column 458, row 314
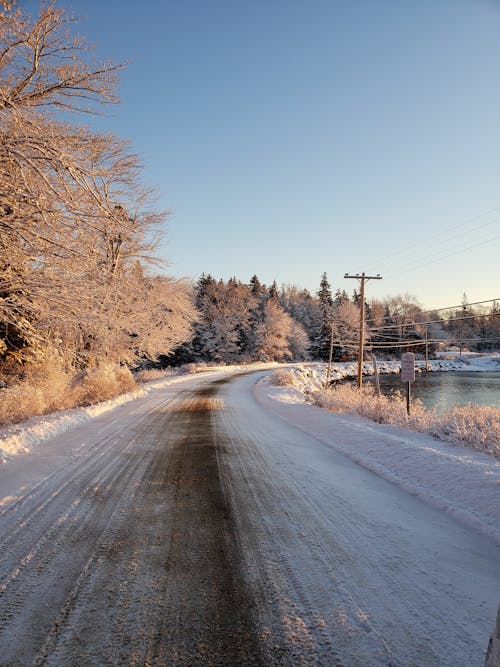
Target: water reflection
column 451, row 388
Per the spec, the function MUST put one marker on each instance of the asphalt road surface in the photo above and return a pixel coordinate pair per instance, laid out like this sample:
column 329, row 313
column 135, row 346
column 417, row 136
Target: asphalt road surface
column 194, row 527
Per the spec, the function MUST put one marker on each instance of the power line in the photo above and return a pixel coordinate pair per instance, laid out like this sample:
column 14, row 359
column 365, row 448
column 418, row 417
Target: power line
column 458, row 246
column 439, row 257
column 421, row 342
column 437, row 310
column 445, row 321
column 445, row 232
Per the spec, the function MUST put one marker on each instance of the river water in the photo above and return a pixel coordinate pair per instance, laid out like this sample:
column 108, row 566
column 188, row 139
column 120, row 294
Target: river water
column 450, row 388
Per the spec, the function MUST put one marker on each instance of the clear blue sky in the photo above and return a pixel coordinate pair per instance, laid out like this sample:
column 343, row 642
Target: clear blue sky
column 295, row 137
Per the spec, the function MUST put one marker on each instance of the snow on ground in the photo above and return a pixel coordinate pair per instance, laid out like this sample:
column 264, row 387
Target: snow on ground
column 21, row 438
column 311, row 377
column 462, row 482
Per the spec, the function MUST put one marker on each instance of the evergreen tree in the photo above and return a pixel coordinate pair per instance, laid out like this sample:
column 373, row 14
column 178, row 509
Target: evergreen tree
column 255, row 286
column 320, row 346
column 202, row 287
column 273, row 291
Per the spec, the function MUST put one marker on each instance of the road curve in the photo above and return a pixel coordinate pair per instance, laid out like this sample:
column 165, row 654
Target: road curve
column 193, row 527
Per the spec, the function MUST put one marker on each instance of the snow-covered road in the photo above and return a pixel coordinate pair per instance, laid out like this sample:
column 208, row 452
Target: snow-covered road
column 194, row 526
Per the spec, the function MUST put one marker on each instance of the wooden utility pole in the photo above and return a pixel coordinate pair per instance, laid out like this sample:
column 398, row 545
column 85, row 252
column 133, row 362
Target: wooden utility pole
column 426, row 349
column 328, row 372
column 362, row 280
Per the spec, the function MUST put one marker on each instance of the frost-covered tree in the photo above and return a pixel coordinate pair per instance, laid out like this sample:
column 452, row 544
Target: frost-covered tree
column 273, row 333
column 298, row 342
column 256, row 287
column 394, row 323
column 346, row 323
column 273, row 291
column 303, row 307
column 78, row 229
column 224, row 311
column 279, row 337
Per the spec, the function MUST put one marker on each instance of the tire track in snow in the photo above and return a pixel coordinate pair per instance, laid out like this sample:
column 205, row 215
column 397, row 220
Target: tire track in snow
column 162, row 582
column 296, row 554
column 48, row 551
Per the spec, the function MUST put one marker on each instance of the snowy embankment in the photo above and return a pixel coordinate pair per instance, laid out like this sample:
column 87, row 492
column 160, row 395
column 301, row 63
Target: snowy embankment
column 456, row 479
column 315, row 376
column 21, row 438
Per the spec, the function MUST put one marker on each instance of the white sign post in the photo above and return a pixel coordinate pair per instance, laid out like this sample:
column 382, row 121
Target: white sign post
column 408, row 375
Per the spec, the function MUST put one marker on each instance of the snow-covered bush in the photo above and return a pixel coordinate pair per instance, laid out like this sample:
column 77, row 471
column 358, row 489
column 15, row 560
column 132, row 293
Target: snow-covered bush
column 478, row 425
column 195, row 367
column 367, row 403
column 44, row 387
column 283, row 378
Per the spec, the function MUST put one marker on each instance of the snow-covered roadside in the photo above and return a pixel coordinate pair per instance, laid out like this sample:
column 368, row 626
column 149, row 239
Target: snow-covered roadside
column 464, row 483
column 312, row 377
column 21, row 438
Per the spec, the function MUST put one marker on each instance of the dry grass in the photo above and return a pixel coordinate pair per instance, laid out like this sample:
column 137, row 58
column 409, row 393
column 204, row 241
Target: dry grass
column 148, row 374
column 283, row 378
column 478, row 425
column 49, row 387
column 471, row 425
column 104, row 382
column 196, row 367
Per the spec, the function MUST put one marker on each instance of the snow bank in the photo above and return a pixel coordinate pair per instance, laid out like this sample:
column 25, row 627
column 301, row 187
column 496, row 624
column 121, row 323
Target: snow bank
column 311, row 377
column 20, row 438
column 462, row 482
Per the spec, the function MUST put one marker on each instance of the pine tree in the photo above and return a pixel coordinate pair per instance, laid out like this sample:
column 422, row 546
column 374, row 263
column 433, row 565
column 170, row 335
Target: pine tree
column 273, row 291
column 201, row 288
column 255, row 286
column 320, row 347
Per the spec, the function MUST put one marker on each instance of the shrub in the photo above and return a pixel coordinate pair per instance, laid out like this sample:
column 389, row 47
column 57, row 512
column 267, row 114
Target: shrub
column 104, row 382
column 148, row 374
column 49, row 386
column 43, row 387
column 478, row 425
column 195, row 367
column 283, row 378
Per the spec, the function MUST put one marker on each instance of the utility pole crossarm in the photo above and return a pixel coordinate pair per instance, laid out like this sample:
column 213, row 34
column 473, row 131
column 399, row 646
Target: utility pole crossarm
column 362, row 280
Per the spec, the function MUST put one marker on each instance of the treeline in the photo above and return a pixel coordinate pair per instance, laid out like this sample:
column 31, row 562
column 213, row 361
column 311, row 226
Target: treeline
column 398, row 323
column 78, row 229
column 241, row 322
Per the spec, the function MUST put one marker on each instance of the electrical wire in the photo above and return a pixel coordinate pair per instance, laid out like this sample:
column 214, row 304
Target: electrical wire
column 437, row 310
column 438, row 257
column 444, row 232
column 444, row 322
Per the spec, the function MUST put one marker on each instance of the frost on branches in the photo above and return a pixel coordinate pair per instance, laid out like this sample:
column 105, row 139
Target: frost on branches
column 78, row 229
